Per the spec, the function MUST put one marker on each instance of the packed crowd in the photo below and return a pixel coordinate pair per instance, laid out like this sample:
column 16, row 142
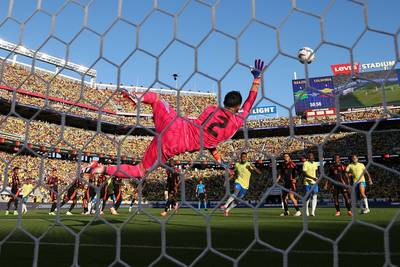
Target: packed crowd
column 68, row 138
column 190, row 105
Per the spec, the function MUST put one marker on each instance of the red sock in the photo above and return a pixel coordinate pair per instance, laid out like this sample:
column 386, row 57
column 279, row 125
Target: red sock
column 125, row 171
column 149, row 98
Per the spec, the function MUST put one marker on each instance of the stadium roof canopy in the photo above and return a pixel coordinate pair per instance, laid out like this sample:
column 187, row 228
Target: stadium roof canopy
column 83, row 70
column 59, row 62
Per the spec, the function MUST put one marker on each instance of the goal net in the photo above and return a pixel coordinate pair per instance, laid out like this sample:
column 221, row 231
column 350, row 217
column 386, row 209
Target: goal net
column 125, row 83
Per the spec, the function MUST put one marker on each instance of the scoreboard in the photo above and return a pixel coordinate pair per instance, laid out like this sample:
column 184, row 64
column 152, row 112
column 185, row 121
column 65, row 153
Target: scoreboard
column 320, row 94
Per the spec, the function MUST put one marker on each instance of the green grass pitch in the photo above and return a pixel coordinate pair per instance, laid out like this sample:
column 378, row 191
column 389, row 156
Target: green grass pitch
column 186, row 239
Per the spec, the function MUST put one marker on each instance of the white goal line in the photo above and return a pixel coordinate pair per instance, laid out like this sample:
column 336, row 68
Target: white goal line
column 323, row 252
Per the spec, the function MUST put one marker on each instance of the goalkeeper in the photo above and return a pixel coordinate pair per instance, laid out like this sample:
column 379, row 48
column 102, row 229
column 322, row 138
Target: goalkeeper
column 178, row 135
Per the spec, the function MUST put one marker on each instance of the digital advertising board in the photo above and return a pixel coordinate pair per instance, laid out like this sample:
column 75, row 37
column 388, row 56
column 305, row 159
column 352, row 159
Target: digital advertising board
column 365, row 90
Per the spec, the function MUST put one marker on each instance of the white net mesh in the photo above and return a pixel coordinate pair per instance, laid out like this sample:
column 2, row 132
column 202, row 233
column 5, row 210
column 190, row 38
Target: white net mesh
column 54, row 123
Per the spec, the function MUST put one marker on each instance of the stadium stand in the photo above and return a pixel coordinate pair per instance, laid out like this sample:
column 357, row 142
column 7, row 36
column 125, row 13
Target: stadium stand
column 65, row 92
column 70, row 138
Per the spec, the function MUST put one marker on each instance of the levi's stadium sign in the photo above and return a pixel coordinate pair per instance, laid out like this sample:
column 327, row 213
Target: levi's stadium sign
column 360, row 67
column 344, row 68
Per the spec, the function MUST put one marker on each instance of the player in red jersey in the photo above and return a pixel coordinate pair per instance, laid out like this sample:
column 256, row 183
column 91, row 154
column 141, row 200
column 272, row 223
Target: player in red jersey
column 288, row 173
column 71, row 195
column 110, row 189
column 172, row 188
column 116, row 183
column 337, row 171
column 102, row 183
column 214, row 126
column 15, row 190
column 91, row 198
column 88, row 195
column 52, row 183
column 135, row 196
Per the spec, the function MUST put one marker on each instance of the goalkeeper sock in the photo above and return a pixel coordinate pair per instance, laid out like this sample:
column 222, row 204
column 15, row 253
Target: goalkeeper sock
column 126, row 171
column 150, row 98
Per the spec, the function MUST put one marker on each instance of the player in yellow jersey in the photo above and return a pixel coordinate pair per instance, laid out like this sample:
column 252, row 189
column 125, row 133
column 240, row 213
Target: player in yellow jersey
column 310, row 172
column 27, row 188
column 358, row 172
column 243, row 171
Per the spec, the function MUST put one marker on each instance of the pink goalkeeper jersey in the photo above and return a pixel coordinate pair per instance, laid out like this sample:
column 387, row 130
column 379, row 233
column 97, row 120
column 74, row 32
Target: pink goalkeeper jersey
column 179, row 135
column 220, row 126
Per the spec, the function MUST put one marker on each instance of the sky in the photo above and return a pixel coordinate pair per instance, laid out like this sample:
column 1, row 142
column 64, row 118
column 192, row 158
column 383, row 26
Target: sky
column 122, row 40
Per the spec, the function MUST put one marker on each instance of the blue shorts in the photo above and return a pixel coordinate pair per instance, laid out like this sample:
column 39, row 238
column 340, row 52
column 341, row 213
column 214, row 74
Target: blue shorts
column 242, row 192
column 358, row 185
column 314, row 187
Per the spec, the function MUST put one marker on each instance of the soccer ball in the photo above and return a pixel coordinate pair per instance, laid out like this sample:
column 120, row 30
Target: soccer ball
column 306, row 54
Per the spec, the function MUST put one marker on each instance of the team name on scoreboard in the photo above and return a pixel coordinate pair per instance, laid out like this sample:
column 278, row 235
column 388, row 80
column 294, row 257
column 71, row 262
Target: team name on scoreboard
column 315, row 80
